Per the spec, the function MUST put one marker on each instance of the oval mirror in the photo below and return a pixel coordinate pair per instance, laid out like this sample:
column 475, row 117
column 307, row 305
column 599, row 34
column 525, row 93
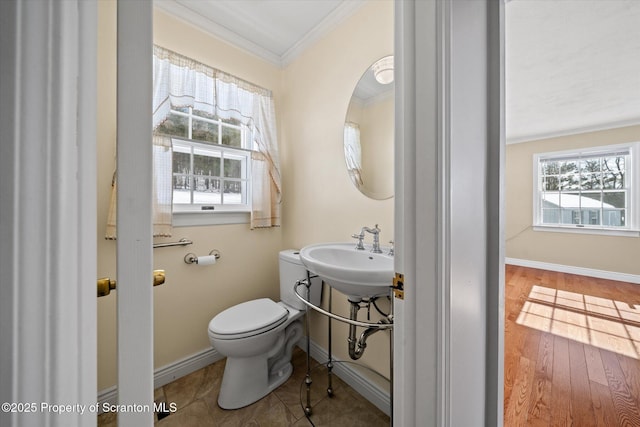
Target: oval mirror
column 368, row 131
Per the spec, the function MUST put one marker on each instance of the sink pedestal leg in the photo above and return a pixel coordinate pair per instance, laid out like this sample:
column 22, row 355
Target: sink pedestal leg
column 330, row 362
column 307, row 380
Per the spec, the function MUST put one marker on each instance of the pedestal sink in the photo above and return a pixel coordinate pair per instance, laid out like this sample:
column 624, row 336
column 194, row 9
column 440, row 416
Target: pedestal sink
column 356, row 273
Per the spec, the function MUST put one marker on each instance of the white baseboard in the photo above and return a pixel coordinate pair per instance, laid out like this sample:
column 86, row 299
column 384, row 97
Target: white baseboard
column 600, row 274
column 168, row 373
column 347, row 372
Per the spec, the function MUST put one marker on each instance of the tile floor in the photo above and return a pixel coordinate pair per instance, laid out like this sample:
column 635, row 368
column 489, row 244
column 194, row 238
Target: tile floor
column 196, row 398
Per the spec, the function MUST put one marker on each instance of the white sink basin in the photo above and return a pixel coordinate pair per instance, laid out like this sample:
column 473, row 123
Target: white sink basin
column 356, row 273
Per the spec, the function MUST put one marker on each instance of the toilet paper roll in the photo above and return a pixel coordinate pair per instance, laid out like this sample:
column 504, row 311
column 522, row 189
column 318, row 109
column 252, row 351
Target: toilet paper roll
column 206, row 260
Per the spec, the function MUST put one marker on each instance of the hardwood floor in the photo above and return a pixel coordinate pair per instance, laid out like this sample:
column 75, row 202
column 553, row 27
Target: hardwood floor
column 572, row 350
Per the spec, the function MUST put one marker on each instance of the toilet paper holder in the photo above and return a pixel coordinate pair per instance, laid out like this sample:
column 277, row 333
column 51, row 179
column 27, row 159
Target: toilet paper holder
column 192, row 258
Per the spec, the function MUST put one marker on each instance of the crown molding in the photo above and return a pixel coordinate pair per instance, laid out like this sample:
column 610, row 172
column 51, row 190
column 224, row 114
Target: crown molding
column 574, row 131
column 331, row 21
column 208, row 26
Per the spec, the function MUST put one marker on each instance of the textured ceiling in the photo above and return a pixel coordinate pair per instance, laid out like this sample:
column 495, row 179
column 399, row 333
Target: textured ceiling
column 571, row 65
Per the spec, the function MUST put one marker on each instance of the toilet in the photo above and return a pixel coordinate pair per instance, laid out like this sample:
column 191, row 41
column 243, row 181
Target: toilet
column 258, row 336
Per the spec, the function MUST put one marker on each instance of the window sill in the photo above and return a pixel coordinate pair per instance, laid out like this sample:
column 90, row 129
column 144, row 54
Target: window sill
column 587, row 230
column 200, row 218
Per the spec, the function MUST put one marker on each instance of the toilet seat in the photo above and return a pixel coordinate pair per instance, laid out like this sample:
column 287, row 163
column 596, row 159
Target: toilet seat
column 248, row 319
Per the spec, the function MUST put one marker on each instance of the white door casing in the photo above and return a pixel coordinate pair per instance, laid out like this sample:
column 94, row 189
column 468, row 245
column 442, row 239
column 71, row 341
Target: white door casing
column 134, row 201
column 48, row 212
column 47, row 241
column 449, row 162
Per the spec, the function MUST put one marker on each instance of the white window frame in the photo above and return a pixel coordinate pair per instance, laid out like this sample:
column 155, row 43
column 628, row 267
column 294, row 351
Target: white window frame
column 632, row 169
column 185, row 215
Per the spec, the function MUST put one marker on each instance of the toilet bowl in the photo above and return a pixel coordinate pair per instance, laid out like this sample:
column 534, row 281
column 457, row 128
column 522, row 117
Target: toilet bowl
column 258, row 336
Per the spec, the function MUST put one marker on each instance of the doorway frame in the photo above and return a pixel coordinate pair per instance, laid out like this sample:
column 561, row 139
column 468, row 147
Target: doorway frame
column 48, row 210
column 449, row 329
column 417, row 370
column 134, row 212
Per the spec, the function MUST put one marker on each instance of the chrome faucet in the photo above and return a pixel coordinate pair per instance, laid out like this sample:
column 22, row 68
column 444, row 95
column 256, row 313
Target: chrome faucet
column 376, row 239
column 360, row 237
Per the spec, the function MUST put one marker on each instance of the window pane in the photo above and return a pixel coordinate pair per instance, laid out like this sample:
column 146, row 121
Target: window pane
column 591, row 200
column 181, row 189
column 590, row 165
column 204, row 163
column 207, row 191
column 615, row 164
column 613, row 181
column 174, row 125
column 614, row 217
column 181, row 182
column 613, row 200
column 569, row 167
column 570, row 200
column 591, row 216
column 204, row 183
column 570, row 182
column 550, row 200
column 571, row 216
column 204, row 131
column 613, row 169
column 590, row 181
column 550, row 216
column 550, row 167
column 232, row 168
column 231, row 137
column 181, row 162
column 204, row 114
column 551, row 183
column 232, row 121
column 233, row 192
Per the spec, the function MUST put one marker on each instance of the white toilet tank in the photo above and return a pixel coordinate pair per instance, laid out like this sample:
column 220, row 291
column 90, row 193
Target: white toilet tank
column 292, row 270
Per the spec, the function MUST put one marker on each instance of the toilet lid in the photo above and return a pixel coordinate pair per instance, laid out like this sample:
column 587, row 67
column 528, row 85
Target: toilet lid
column 248, row 318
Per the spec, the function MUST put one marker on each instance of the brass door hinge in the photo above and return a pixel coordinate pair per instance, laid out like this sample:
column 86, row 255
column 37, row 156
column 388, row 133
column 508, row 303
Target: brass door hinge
column 398, row 286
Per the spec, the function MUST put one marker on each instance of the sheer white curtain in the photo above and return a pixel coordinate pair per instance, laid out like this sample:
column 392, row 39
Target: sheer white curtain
column 183, row 82
column 162, row 192
column 162, row 186
column 353, row 152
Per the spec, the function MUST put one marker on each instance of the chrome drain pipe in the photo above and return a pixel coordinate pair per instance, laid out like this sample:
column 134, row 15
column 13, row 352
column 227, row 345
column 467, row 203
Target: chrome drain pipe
column 357, row 346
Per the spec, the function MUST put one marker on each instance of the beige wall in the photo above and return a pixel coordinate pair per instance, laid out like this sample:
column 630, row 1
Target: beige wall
column 376, row 137
column 375, row 120
column 319, row 202
column 607, row 253
column 192, row 295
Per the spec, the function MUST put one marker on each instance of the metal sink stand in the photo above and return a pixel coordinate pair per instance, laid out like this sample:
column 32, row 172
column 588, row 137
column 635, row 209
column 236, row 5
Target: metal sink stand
column 308, row 381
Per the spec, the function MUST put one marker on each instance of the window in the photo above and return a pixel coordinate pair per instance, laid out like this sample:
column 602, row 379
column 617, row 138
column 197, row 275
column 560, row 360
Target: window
column 226, row 144
column 589, row 190
column 211, row 161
